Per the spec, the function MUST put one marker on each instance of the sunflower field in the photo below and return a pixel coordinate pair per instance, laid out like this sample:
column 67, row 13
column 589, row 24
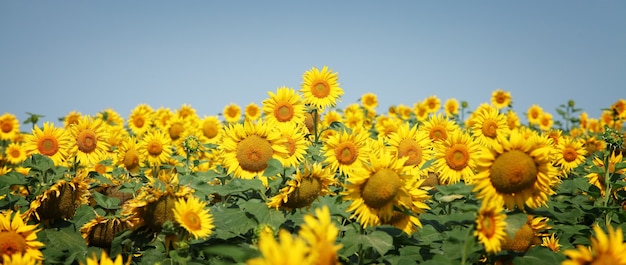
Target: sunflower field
column 298, row 180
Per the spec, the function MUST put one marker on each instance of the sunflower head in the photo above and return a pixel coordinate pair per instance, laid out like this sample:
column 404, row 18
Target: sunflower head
column 18, row 238
column 62, row 198
column 320, row 88
column 100, row 231
column 191, row 214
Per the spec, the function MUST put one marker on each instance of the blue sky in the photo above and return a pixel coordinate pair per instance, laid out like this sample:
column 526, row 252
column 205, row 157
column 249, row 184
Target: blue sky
column 56, row 57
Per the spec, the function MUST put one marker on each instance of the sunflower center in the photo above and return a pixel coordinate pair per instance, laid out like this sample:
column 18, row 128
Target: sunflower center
column 253, row 153
column 346, row 153
column 87, row 141
column 232, row 112
column 176, row 130
column 209, row 130
column 488, row 226
column 570, row 154
column 438, row 133
column 155, row 148
column 490, row 128
column 457, row 157
column 158, row 212
column 192, row 221
column 513, row 171
column 381, row 188
column 48, row 146
column 131, row 159
column 410, row 148
column 305, row 194
column 15, row 153
column 283, row 111
column 139, row 121
column 11, row 242
column 291, row 146
column 63, row 205
column 320, row 90
column 7, row 126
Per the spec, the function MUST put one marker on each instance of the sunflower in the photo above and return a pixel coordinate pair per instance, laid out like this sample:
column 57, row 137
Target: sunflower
column 117, row 134
column 9, row 126
column 619, row 108
column 295, row 143
column 451, row 107
column 232, row 113
column 90, row 144
column 210, row 130
column 248, row 147
column 598, row 178
column 287, row 250
column 71, row 118
column 512, row 120
column 320, row 88
column 375, row 189
column 285, row 106
column 522, row 238
column 412, row 143
column 177, row 128
column 354, row 120
column 520, row 172
column 501, row 99
column 385, row 126
column 438, row 127
column 19, row 259
column 321, row 233
column 404, row 112
column 369, row 100
column 161, row 117
column 17, row 237
column 545, row 121
column 347, row 151
column 110, row 117
column 192, row 215
column 421, row 111
column 491, row 225
column 490, row 127
column 570, row 153
column 129, row 155
column 551, row 242
column 106, row 260
column 534, row 113
column 456, row 157
column 15, row 153
column 156, row 147
column 583, row 118
column 412, row 203
column 100, row 231
column 252, row 112
column 140, row 119
column 605, row 249
column 62, row 198
column 305, row 187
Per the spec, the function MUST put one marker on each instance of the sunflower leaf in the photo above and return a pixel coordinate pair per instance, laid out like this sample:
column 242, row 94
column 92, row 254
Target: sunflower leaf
column 274, row 167
column 378, row 240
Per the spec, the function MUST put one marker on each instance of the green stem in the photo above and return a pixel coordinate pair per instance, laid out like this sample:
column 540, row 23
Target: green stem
column 466, row 245
column 314, row 116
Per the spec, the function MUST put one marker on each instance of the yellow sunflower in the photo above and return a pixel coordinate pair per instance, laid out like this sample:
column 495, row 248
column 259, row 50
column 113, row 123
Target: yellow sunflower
column 375, row 189
column 295, row 143
column 17, row 237
column 106, row 260
column 385, row 126
column 512, row 120
column 285, row 106
column 287, row 250
column 320, row 233
column 177, row 128
column 9, row 126
column 320, row 88
column 534, row 113
column 252, row 112
column 161, row 117
column 598, row 179
column 412, row 203
column 129, row 155
column 570, row 152
column 140, row 119
column 193, row 215
column 156, row 147
column 304, row 188
column 186, row 111
column 62, row 198
column 545, row 121
column 583, row 117
column 551, row 242
column 248, row 147
column 490, row 127
column 15, row 153
column 90, row 141
column 438, row 127
column 110, row 117
column 491, row 225
column 117, row 133
column 520, row 172
column 71, row 118
column 354, row 120
column 347, row 151
column 456, row 157
column 433, row 104
column 232, row 113
column 20, row 259
column 619, row 108
column 421, row 111
column 500, row 98
column 369, row 100
column 605, row 249
column 412, row 143
column 211, row 130
column 451, row 107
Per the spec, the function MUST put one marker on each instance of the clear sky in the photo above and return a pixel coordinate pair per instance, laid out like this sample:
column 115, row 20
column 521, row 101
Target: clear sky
column 59, row 56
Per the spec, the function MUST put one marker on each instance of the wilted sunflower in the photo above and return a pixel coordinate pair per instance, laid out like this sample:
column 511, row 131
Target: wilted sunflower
column 193, row 215
column 570, row 153
column 375, row 189
column 156, row 147
column 62, row 198
column 90, row 141
column 491, row 225
column 438, row 127
column 16, row 237
column 500, row 98
column 140, row 119
column 412, row 143
column 490, row 127
column 321, row 233
column 605, row 249
column 232, row 113
column 100, row 231
column 295, row 143
column 248, row 147
column 304, row 188
column 456, row 157
column 51, row 141
column 284, row 107
column 9, row 126
column 320, row 88
column 347, row 151
column 15, row 153
column 287, row 250
column 520, row 172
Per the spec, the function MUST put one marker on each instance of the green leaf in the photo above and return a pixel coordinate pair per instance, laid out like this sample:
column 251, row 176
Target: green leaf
column 236, row 185
column 379, row 240
column 66, row 240
column 231, row 222
column 84, row 214
column 514, row 222
column 39, row 162
column 235, row 252
column 263, row 214
column 539, row 255
column 274, row 167
column 110, row 203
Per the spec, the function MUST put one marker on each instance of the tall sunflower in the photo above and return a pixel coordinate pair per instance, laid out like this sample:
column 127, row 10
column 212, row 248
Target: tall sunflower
column 304, row 188
column 321, row 233
column 347, row 151
column 605, row 249
column 286, row 106
column 90, row 144
column 192, row 215
column 512, row 120
column 248, row 147
column 490, row 127
column 438, row 127
column 421, row 111
column 141, row 119
column 156, row 147
column 456, row 157
column 51, row 141
column 500, row 98
column 9, row 126
column 232, row 113
column 520, row 172
column 320, row 88
column 17, row 237
column 491, row 225
column 110, row 117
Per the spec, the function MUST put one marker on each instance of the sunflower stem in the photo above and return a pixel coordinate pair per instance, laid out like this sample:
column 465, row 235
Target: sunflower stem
column 607, row 192
column 314, row 116
column 466, row 245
